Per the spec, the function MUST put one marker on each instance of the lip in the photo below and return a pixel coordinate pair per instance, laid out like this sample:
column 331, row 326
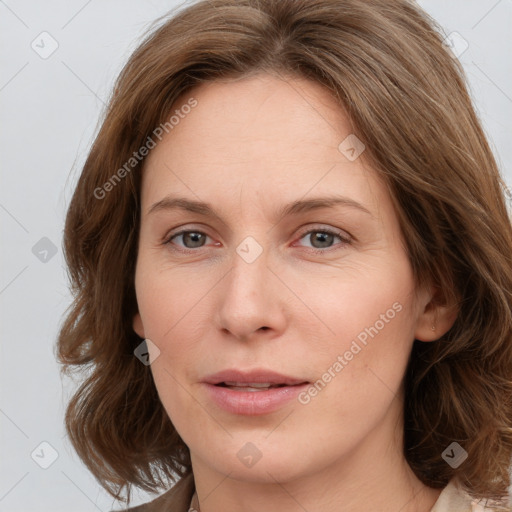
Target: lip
column 252, row 403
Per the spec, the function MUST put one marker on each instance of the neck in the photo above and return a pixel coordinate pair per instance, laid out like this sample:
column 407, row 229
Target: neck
column 414, row 498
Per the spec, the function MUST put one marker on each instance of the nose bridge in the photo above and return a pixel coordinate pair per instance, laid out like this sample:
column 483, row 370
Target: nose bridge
column 248, row 277
column 249, row 298
column 250, row 254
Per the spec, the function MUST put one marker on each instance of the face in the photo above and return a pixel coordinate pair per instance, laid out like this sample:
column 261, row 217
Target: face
column 273, row 277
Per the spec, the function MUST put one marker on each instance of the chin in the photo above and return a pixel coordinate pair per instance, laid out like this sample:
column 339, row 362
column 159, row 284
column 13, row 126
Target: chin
column 265, row 465
column 263, row 473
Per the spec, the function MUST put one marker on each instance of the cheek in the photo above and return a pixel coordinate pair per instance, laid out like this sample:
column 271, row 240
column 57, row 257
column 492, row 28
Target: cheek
column 165, row 299
column 368, row 304
column 368, row 323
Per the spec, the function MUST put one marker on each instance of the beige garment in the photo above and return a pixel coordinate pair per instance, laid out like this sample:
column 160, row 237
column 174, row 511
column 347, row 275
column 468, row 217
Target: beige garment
column 178, row 499
column 454, row 499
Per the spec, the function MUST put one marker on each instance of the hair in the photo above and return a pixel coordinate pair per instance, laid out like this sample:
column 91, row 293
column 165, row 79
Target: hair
column 406, row 98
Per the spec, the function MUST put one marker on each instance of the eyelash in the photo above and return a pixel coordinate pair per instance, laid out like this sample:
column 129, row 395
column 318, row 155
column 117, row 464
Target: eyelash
column 345, row 240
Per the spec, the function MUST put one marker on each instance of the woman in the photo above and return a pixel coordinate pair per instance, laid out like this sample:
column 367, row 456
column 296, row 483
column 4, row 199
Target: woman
column 290, row 251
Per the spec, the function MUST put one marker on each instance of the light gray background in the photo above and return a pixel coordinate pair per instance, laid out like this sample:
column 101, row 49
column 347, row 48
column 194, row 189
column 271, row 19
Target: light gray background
column 49, row 110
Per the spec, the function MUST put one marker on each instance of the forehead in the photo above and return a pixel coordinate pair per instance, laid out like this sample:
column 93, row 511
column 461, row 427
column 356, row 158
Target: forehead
column 287, row 117
column 257, row 136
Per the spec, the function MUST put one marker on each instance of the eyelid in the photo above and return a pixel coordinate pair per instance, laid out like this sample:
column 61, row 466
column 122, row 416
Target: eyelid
column 344, row 235
column 185, row 228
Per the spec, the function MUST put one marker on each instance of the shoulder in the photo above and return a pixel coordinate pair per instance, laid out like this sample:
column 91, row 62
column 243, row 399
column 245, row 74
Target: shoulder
column 454, row 498
column 177, row 499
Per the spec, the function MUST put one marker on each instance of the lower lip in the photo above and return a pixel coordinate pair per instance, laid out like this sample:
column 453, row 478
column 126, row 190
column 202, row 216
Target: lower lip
column 253, row 403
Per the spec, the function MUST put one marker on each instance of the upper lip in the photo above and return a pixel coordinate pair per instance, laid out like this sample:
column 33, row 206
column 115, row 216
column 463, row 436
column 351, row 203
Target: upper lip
column 250, row 376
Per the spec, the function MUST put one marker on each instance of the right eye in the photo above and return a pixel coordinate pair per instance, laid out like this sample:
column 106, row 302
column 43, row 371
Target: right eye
column 191, row 239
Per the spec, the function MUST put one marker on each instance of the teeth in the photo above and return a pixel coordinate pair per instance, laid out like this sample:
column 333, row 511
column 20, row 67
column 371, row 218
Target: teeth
column 250, row 384
column 245, row 388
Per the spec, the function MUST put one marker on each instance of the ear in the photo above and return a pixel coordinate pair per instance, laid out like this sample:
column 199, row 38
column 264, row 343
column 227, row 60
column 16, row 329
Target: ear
column 137, row 325
column 437, row 317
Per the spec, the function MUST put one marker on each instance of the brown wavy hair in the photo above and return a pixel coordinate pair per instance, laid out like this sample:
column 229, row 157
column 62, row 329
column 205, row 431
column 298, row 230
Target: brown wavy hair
column 407, row 99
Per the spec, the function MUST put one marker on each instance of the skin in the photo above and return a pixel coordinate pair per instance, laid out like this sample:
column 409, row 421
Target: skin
column 249, row 147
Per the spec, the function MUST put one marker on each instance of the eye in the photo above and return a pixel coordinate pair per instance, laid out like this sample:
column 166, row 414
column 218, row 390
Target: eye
column 191, row 239
column 321, row 239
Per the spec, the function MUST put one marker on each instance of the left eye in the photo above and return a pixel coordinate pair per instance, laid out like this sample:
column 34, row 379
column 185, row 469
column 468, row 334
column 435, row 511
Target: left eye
column 323, row 238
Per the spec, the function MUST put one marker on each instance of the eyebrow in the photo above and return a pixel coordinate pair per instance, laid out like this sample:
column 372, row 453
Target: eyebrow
column 293, row 208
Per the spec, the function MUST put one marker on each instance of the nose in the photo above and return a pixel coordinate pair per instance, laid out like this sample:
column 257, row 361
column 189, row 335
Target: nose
column 251, row 299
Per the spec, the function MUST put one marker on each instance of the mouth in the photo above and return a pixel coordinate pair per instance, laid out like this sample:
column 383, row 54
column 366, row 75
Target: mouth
column 258, row 378
column 252, row 393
